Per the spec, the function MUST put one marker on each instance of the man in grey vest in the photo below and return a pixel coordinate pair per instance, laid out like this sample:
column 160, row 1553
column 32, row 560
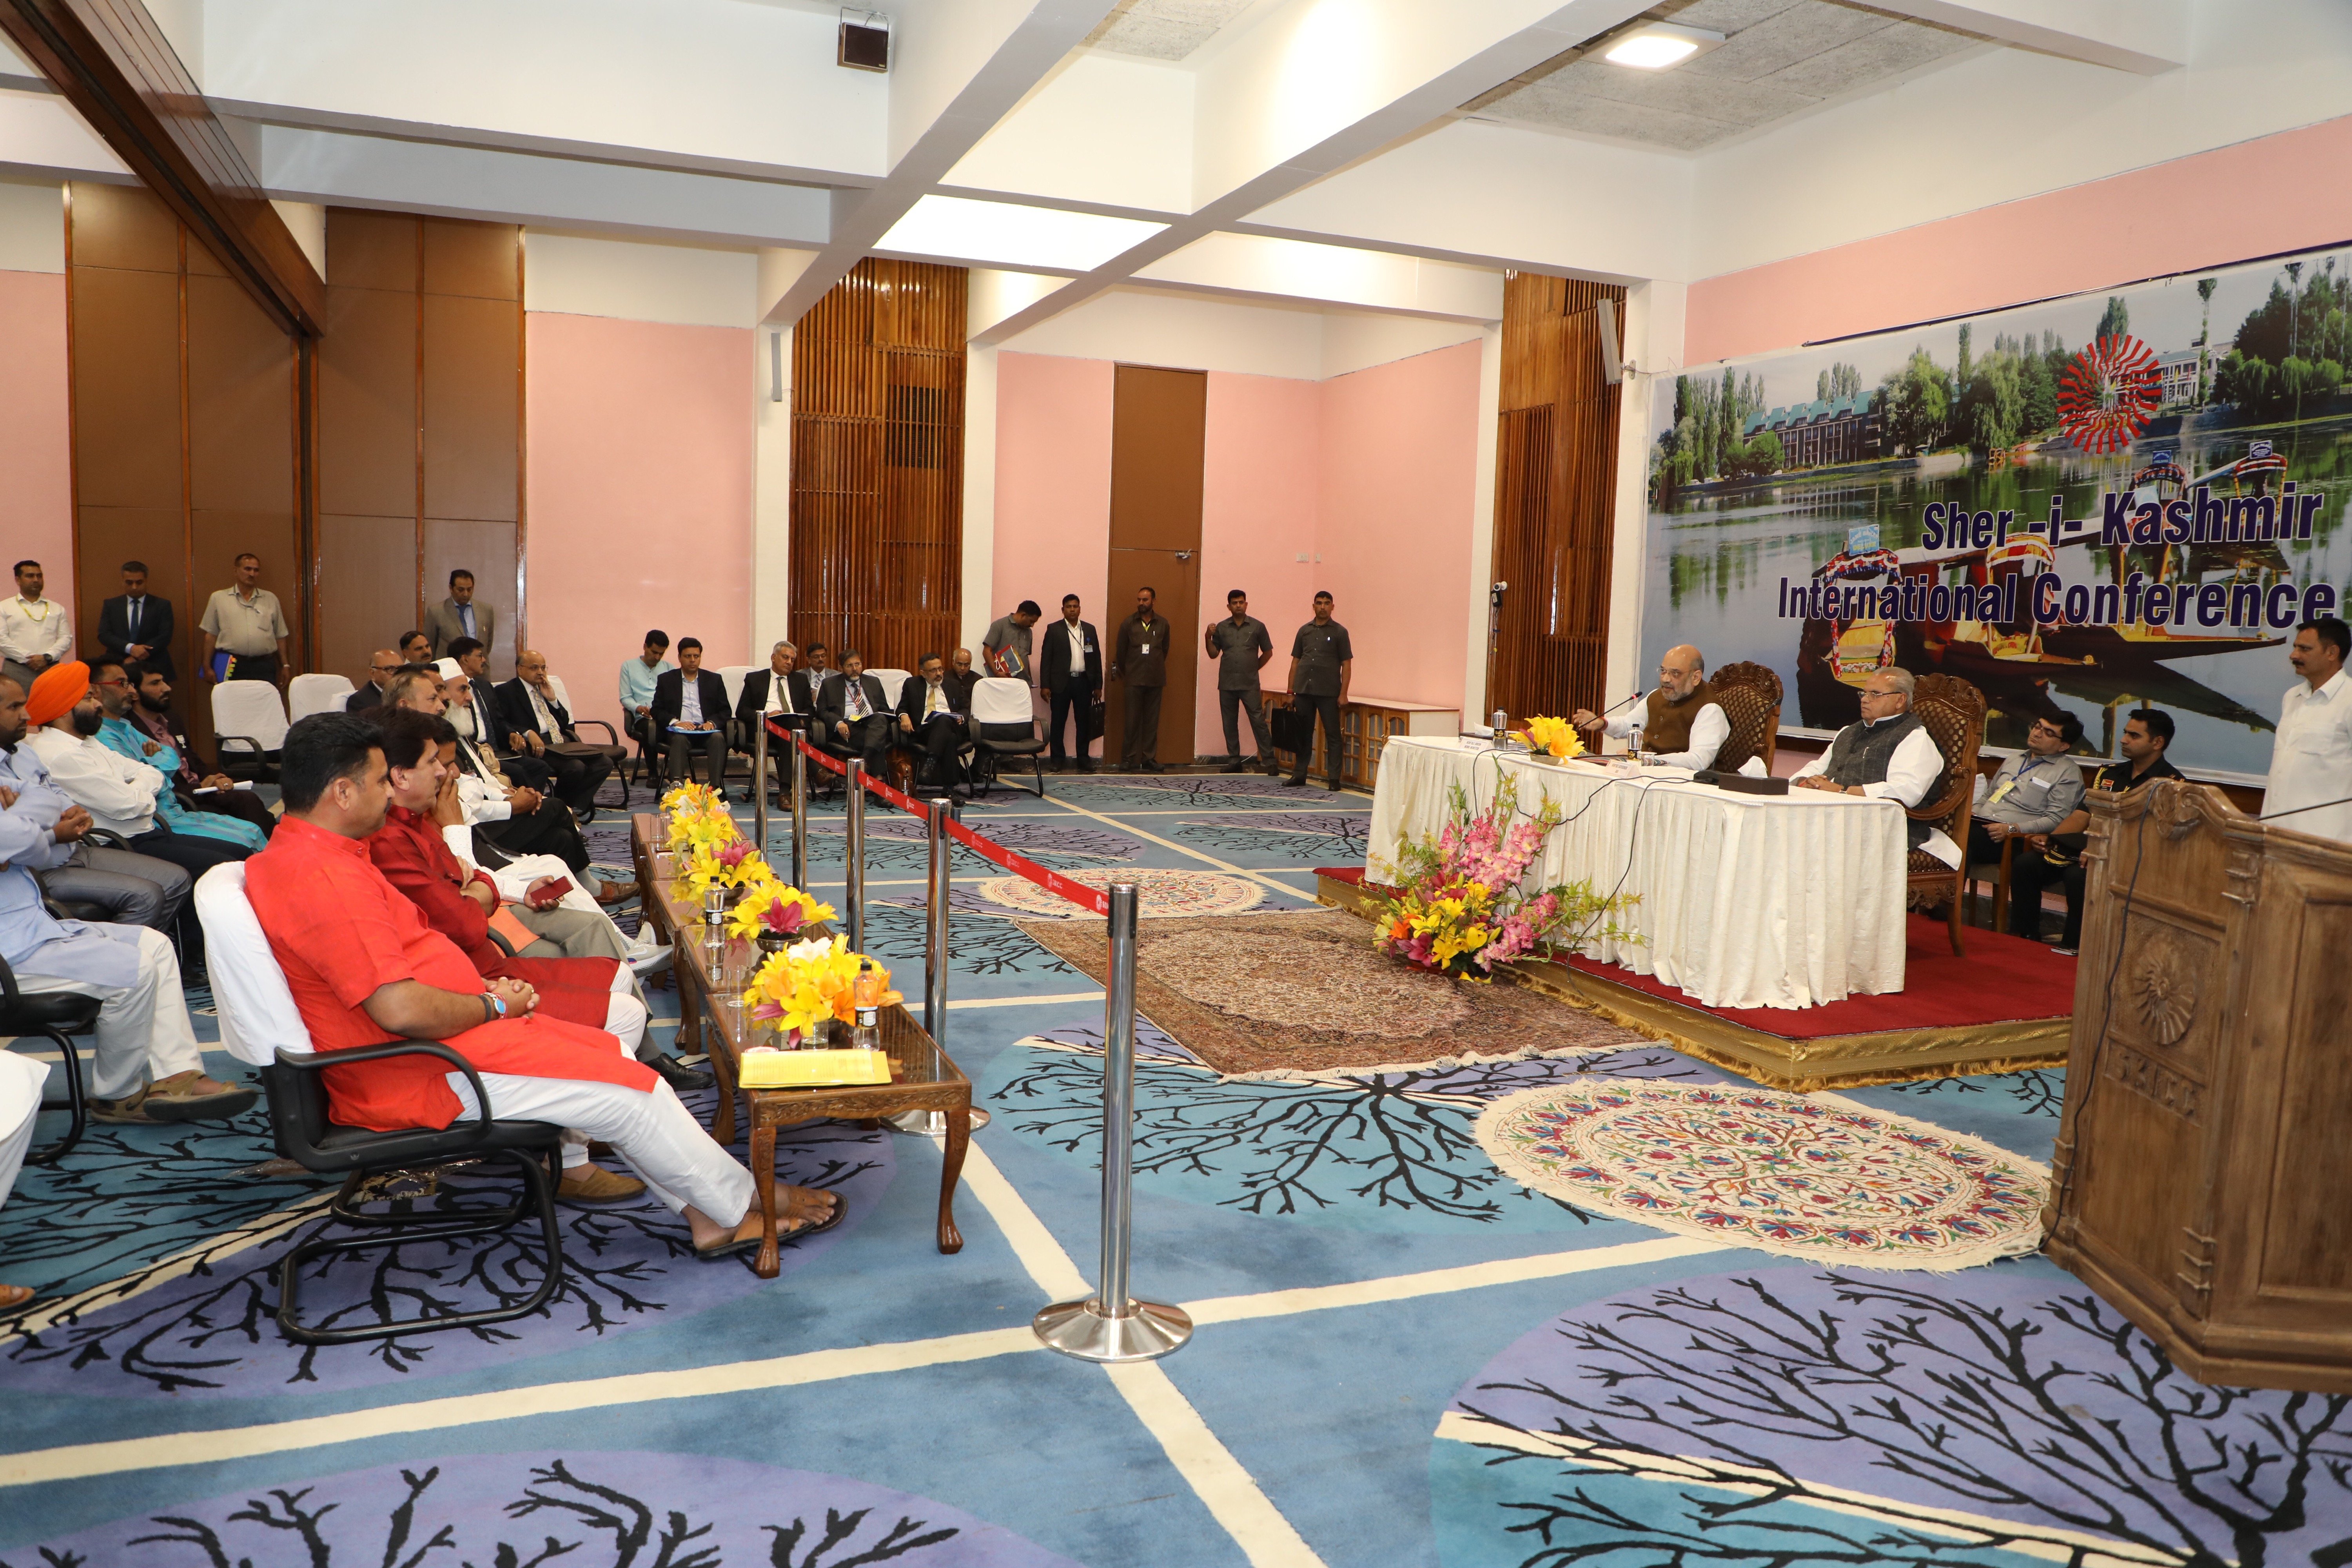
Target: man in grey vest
column 1889, row 756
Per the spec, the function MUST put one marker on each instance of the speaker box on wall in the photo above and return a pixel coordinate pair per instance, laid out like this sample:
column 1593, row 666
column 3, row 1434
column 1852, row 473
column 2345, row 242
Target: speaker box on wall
column 1612, row 364
column 865, row 41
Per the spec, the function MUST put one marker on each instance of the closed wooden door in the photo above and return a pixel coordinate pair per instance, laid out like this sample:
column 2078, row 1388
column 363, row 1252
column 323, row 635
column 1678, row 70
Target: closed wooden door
column 1159, row 432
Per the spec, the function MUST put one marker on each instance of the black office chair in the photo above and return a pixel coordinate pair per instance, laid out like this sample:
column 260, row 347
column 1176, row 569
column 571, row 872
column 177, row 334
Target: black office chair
column 55, row 1016
column 297, row 1115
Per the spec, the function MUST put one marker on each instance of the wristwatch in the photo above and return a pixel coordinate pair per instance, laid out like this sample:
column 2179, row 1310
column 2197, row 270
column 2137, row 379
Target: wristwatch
column 494, row 1008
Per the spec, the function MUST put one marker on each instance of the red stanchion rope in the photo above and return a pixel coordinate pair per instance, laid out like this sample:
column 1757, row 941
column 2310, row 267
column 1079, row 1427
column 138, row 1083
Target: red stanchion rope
column 1087, row 898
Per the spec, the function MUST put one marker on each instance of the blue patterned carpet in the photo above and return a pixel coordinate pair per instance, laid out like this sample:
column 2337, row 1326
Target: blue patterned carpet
column 1404, row 1357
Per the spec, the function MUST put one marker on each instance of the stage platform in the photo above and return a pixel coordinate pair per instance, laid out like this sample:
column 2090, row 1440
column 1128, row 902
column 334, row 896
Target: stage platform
column 2008, row 1004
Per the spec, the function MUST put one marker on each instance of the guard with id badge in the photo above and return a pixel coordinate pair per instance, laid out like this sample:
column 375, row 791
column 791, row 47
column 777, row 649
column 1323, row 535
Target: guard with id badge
column 2032, row 793
column 1140, row 661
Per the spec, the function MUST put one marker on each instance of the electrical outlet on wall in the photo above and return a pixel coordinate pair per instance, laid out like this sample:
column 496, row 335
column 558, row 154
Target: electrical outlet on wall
column 1302, row 555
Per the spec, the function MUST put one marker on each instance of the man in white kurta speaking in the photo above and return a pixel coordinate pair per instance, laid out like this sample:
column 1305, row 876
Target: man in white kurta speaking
column 1889, row 756
column 2310, row 756
column 1681, row 723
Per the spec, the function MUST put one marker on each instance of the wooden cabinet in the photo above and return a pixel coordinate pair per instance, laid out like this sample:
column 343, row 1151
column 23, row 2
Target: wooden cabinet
column 2202, row 1181
column 1365, row 725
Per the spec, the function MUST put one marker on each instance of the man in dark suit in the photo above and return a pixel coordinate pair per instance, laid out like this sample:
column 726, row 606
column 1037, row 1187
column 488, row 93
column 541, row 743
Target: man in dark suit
column 935, row 720
column 853, row 713
column 690, row 708
column 538, row 721
column 1069, row 659
column 764, row 695
column 136, row 627
column 479, row 719
column 383, row 665
column 963, row 677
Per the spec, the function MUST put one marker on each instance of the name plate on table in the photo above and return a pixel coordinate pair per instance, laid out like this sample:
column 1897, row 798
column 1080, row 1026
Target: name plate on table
column 812, row 1069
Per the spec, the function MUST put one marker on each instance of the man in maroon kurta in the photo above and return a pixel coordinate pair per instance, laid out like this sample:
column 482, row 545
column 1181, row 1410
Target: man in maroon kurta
column 365, row 969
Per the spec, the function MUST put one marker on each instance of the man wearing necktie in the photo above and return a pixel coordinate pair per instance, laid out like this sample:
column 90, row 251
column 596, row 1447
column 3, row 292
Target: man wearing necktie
column 933, row 719
column 853, row 713
column 459, row 615
column 136, row 627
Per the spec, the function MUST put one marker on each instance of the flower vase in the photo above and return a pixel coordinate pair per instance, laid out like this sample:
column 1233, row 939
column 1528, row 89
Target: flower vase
column 772, row 940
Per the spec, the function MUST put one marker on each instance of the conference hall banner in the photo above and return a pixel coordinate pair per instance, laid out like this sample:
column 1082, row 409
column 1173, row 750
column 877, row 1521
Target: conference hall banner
column 2085, row 506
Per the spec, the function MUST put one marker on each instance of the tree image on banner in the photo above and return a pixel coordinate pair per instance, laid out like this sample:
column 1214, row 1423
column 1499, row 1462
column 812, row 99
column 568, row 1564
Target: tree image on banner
column 2106, row 393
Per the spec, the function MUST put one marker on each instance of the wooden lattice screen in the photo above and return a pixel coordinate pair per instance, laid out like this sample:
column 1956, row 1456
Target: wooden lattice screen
column 878, row 464
column 1555, row 480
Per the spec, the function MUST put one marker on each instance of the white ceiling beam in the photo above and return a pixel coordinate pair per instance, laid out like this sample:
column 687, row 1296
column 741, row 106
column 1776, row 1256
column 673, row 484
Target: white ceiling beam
column 1319, row 84
column 41, row 137
column 958, row 67
column 1265, row 268
column 2146, row 38
column 434, row 178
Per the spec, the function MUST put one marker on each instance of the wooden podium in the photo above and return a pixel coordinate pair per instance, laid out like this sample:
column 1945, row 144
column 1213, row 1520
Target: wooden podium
column 2202, row 1181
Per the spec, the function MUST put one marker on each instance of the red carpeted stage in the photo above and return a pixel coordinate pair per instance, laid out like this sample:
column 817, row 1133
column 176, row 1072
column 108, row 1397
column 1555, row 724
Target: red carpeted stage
column 2009, row 1004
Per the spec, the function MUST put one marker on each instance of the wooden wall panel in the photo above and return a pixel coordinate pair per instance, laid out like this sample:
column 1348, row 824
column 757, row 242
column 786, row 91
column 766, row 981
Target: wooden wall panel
column 877, row 463
column 126, row 388
column 240, row 403
column 367, row 402
column 219, row 536
column 1158, row 434
column 372, row 250
column 1556, row 466
column 473, row 351
column 367, row 566
column 106, row 536
column 123, row 226
column 477, row 260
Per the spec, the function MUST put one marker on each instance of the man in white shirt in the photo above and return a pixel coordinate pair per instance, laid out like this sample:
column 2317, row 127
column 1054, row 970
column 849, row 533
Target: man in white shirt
column 2311, row 755
column 1681, row 724
column 34, row 631
column 1889, row 756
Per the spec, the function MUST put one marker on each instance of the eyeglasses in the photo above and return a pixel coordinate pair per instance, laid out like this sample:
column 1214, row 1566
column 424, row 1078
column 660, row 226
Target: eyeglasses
column 109, row 683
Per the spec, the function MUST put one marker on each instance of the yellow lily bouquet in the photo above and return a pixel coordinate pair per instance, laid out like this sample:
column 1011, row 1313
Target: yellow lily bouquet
column 773, row 908
column 1556, row 737
column 691, row 831
column 808, row 983
column 692, row 800
column 734, row 863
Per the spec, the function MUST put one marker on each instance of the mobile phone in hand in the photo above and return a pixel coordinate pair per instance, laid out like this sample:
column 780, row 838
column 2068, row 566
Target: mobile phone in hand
column 548, row 896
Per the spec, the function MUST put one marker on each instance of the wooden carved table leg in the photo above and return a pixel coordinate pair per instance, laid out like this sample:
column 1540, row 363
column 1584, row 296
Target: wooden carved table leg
column 951, row 1171
column 722, row 1120
column 770, row 1262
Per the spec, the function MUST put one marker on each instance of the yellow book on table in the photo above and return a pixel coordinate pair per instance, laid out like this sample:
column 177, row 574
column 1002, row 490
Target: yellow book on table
column 813, row 1070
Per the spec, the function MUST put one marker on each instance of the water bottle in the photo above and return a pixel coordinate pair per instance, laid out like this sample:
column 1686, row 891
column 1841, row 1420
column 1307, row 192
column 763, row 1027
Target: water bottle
column 1501, row 724
column 866, row 995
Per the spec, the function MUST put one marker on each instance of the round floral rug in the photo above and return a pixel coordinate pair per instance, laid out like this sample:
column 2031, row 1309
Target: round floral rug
column 1806, row 1175
column 1163, row 892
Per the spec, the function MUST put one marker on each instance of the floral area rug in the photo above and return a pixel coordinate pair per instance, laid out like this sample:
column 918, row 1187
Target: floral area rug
column 1813, row 1176
column 1159, row 892
column 1282, row 996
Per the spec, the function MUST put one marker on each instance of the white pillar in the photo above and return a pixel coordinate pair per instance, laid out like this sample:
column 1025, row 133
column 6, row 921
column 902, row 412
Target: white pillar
column 771, row 498
column 1482, row 522
column 1654, row 344
column 979, row 495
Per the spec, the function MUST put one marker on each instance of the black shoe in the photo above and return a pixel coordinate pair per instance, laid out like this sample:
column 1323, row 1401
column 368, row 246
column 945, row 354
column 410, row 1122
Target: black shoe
column 677, row 1075
column 1149, row 768
column 1333, row 784
column 1294, row 784
column 1233, row 767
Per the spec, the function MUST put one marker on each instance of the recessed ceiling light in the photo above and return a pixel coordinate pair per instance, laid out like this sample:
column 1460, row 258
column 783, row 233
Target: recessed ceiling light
column 1657, row 46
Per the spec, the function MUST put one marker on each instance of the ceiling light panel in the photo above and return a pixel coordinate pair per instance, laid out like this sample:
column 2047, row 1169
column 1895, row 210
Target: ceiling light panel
column 1005, row 234
column 1659, row 46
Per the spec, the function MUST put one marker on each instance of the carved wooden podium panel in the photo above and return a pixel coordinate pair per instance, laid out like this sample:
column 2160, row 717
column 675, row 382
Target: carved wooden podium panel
column 2202, row 1181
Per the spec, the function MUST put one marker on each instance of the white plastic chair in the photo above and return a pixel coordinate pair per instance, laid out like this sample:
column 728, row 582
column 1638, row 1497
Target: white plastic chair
column 893, row 682
column 1004, row 724
column 249, row 725
column 310, row 694
column 256, row 1011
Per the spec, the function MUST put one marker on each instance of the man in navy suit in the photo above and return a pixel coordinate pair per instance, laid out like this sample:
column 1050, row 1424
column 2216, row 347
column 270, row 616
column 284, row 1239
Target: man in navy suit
column 854, row 714
column 136, row 625
column 692, row 716
column 1069, row 658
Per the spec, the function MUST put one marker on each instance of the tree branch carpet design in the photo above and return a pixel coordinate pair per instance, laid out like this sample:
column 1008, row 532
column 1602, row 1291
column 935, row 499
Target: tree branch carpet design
column 1805, row 1176
column 1310, row 994
column 1409, row 1355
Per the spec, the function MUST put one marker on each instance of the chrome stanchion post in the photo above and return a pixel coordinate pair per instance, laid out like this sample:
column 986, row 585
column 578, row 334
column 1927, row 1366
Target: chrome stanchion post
column 759, row 781
column 800, row 814
column 856, row 896
column 934, row 1123
column 1111, row 1325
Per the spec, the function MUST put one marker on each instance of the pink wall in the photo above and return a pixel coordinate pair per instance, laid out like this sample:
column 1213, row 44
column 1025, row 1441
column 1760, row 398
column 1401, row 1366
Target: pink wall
column 1399, row 464
column 36, row 442
column 1259, row 503
column 640, row 474
column 2233, row 204
column 1052, row 486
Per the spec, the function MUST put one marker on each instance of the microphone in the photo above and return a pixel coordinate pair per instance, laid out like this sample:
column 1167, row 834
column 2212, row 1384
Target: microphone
column 1639, row 693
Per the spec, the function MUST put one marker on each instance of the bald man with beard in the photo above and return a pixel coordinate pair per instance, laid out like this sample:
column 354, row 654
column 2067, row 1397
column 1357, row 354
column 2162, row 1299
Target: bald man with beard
column 1682, row 724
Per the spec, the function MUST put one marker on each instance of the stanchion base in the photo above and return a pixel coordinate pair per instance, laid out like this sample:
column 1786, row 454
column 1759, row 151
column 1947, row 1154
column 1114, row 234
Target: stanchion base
column 1080, row 1328
column 930, row 1123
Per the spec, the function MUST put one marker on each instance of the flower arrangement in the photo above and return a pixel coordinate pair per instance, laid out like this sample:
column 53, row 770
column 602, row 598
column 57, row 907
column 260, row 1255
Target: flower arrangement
column 692, row 800
column 732, row 864
column 1555, row 737
column 773, row 908
column 1460, row 908
column 809, row 982
column 693, row 832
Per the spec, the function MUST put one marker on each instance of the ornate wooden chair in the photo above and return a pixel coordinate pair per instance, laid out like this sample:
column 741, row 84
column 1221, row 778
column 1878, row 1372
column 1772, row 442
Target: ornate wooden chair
column 1750, row 697
column 1953, row 712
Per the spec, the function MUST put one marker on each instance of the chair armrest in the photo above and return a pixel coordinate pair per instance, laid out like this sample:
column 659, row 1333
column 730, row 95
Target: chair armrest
column 105, row 839
column 612, row 736
column 8, row 991
column 313, row 1061
column 248, row 742
column 503, row 944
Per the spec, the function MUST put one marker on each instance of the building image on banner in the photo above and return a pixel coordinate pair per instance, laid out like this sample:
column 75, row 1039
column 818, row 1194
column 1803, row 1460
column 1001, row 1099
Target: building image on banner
column 2087, row 505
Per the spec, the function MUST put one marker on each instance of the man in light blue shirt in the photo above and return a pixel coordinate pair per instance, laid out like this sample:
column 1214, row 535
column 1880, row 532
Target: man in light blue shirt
column 638, row 678
column 118, row 734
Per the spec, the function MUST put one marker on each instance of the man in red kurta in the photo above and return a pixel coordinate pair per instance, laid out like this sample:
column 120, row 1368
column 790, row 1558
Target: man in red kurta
column 365, row 969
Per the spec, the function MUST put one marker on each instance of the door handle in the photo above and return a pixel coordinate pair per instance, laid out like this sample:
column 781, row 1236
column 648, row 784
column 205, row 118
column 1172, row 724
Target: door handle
column 1184, row 555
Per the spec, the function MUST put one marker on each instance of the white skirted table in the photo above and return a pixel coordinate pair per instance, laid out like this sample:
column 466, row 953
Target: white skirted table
column 1745, row 900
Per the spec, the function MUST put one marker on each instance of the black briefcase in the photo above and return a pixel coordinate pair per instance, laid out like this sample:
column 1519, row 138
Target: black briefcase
column 1292, row 730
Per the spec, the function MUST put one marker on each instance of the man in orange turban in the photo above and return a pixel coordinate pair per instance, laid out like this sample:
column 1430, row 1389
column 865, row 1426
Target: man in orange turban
column 55, row 691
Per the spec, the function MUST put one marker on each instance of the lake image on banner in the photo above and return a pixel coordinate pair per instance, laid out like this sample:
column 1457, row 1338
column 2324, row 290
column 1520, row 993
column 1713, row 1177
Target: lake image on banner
column 1820, row 467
